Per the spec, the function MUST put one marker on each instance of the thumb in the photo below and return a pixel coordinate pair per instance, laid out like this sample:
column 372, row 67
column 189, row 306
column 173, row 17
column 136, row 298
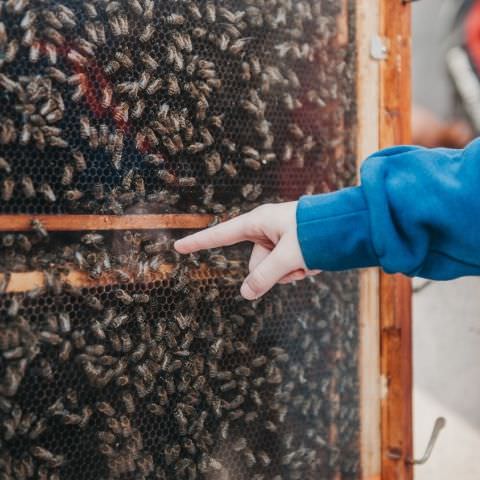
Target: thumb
column 268, row 272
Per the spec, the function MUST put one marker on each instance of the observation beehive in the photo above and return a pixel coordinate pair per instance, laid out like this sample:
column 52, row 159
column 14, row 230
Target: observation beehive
column 125, row 124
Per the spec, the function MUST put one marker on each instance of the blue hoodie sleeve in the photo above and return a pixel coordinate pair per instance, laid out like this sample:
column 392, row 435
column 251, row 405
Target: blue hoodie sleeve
column 416, row 212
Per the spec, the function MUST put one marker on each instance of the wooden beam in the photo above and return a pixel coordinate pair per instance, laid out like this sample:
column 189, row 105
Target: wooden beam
column 22, row 282
column 67, row 223
column 367, row 15
column 395, row 301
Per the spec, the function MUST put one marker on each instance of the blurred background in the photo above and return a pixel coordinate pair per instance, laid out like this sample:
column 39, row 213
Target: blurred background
column 446, row 315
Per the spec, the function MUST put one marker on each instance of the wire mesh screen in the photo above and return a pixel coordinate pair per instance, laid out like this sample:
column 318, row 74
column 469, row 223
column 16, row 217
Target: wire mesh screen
column 121, row 359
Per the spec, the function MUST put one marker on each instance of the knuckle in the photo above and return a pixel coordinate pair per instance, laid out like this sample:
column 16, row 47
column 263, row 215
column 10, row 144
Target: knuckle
column 259, row 216
column 265, row 209
column 256, row 282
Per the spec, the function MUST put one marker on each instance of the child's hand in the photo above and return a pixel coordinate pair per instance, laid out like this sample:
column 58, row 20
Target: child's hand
column 276, row 256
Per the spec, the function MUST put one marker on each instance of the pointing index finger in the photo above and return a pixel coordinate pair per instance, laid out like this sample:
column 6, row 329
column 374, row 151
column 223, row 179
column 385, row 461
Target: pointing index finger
column 227, row 233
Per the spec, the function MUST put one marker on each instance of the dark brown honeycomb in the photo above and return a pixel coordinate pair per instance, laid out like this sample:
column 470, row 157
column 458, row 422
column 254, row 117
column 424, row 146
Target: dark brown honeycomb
column 300, row 393
column 260, row 96
column 119, row 358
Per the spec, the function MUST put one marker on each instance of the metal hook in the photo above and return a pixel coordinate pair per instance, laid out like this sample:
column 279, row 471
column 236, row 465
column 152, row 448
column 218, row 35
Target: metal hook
column 440, row 423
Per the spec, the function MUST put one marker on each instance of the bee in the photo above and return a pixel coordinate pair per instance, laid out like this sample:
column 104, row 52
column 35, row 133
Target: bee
column 93, row 302
column 34, row 53
column 123, row 296
column 56, row 74
column 100, row 29
column 174, row 19
column 106, row 437
column 53, row 141
column 50, row 338
column 121, row 112
column 149, row 61
column 136, row 7
column 105, row 408
column 92, row 239
column 147, row 33
column 154, row 160
column 97, row 330
column 107, row 94
column 11, row 51
column 77, row 58
column 128, row 402
column 287, row 154
column 90, row 9
column 53, row 461
column 187, row 181
column 210, row 12
column 166, row 176
column 73, row 195
column 173, row 87
column 64, row 322
column 46, row 190
column 199, row 32
column 39, row 427
column 95, row 350
column 127, row 343
column 27, row 187
column 65, row 351
column 39, row 229
column 239, row 45
column 115, row 26
column 98, row 191
column 138, row 109
column 295, row 131
column 154, row 86
column 91, row 32
column 145, row 465
column 8, row 186
column 84, row 127
column 129, row 88
column 252, row 164
column 112, row 67
column 213, row 162
column 103, row 136
column 182, row 420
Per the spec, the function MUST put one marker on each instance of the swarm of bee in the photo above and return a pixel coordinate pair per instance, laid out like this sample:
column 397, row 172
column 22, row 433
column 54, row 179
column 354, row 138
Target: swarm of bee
column 171, row 376
column 161, row 370
column 106, row 104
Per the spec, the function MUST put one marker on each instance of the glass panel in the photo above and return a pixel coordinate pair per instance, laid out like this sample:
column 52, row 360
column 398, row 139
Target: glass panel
column 120, row 358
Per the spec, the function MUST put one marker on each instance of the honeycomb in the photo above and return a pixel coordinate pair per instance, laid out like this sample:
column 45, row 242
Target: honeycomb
column 105, row 104
column 169, row 387
column 119, row 358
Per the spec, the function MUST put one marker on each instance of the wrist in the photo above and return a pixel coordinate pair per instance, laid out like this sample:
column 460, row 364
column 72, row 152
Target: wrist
column 334, row 231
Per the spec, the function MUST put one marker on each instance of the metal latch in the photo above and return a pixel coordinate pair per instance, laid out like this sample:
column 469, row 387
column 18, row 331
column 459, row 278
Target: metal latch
column 378, row 48
column 440, row 423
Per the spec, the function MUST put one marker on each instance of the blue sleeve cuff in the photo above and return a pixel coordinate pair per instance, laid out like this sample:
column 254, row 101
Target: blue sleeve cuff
column 334, row 231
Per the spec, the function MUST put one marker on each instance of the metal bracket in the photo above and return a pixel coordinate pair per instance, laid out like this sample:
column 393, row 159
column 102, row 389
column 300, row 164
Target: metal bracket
column 378, row 48
column 440, row 423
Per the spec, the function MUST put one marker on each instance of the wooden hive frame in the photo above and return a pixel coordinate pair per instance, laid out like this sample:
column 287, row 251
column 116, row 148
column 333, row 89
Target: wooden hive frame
column 383, row 94
column 384, row 99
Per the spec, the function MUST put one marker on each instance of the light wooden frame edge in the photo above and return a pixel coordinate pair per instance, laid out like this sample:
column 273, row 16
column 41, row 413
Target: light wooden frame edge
column 383, row 109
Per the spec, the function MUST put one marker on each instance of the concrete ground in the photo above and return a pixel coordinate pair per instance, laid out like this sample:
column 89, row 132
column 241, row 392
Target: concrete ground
column 446, row 315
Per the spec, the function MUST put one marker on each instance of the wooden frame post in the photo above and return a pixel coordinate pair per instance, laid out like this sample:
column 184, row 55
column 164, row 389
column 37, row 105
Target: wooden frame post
column 395, row 291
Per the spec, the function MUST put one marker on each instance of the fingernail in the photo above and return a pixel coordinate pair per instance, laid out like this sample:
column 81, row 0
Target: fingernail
column 247, row 292
column 178, row 246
